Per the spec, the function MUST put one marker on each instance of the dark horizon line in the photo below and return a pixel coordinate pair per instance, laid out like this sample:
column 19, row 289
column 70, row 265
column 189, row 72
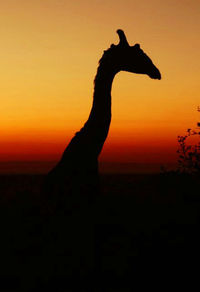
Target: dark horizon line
column 43, row 167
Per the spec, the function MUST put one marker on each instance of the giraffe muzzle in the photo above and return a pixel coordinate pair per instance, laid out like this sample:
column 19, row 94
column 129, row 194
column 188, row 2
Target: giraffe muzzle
column 155, row 74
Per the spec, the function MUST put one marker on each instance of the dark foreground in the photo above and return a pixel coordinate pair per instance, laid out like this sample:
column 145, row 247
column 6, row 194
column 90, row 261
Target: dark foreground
column 143, row 229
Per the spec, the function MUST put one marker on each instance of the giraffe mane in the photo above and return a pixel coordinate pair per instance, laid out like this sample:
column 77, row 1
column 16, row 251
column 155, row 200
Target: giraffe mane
column 107, row 52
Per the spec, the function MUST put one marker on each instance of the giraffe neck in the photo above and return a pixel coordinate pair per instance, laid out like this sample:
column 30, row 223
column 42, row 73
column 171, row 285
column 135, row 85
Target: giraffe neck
column 101, row 108
column 88, row 142
column 100, row 115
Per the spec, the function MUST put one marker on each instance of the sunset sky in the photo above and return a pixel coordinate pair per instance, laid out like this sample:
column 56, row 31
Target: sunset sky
column 48, row 59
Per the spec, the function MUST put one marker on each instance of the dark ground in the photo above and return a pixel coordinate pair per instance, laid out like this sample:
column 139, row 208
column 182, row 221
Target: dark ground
column 143, row 229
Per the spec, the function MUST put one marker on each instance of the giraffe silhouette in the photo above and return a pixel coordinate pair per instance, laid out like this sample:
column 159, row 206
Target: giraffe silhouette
column 77, row 170
column 72, row 186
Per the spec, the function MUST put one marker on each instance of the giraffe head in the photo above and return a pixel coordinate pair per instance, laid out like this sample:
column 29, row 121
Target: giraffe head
column 130, row 58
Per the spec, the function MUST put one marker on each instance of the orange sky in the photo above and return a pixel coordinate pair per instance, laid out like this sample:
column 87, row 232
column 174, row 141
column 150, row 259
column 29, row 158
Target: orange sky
column 49, row 55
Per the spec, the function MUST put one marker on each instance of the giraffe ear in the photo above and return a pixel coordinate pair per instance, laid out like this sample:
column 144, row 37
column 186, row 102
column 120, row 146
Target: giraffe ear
column 137, row 46
column 122, row 38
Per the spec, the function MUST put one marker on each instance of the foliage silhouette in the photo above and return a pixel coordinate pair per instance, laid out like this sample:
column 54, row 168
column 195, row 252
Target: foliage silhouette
column 189, row 154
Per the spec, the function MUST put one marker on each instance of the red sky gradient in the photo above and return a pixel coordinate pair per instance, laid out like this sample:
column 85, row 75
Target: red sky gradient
column 49, row 56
